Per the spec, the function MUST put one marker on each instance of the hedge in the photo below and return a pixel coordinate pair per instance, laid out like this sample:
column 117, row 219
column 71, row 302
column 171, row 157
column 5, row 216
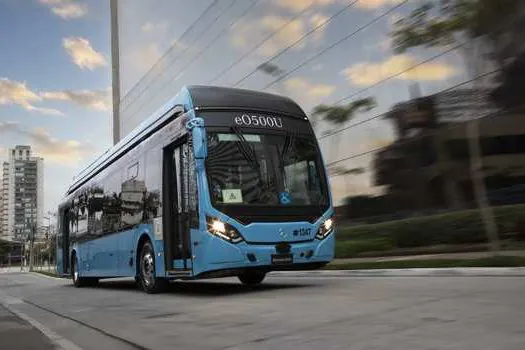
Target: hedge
column 346, row 249
column 458, row 227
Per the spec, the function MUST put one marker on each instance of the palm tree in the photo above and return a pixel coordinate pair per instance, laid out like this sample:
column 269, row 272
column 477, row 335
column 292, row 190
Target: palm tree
column 340, row 115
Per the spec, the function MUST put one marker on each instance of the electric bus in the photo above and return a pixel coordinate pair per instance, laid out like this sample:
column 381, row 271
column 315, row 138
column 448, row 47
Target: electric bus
column 218, row 182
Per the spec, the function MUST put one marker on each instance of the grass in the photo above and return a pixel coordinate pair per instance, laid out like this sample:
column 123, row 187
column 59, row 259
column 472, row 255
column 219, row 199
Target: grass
column 497, row 261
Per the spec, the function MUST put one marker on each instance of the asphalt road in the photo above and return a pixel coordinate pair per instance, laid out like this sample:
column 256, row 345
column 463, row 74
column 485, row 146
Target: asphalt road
column 284, row 313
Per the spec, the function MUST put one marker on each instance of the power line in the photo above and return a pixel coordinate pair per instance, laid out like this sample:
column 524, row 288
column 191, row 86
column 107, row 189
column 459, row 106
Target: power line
column 383, row 114
column 176, row 57
column 346, row 37
column 280, row 53
column 195, row 58
column 271, row 35
column 232, row 24
column 170, row 49
column 443, row 53
column 427, row 133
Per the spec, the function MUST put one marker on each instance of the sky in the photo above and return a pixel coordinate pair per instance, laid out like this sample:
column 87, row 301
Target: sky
column 55, row 69
column 331, row 51
column 55, row 81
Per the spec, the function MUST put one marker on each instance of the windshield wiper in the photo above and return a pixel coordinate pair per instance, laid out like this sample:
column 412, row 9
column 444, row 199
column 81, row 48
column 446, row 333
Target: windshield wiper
column 246, row 150
column 288, row 142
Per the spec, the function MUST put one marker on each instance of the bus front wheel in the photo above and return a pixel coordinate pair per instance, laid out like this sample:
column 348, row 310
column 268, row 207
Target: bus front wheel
column 147, row 277
column 252, row 278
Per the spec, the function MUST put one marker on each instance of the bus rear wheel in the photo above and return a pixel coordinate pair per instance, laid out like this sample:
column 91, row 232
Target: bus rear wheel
column 251, row 278
column 147, row 272
column 81, row 281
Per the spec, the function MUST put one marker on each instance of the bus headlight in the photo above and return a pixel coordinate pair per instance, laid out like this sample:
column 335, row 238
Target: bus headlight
column 223, row 230
column 325, row 229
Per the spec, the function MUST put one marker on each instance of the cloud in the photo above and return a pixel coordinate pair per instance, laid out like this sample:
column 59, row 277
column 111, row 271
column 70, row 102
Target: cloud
column 374, row 4
column 83, row 54
column 17, row 93
column 284, row 32
column 300, row 5
column 66, row 9
column 318, row 20
column 303, row 87
column 8, row 126
column 144, row 58
column 99, row 100
column 149, row 27
column 63, row 152
column 364, row 74
column 47, row 111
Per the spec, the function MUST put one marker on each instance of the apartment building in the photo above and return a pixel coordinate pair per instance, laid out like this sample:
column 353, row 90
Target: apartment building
column 22, row 203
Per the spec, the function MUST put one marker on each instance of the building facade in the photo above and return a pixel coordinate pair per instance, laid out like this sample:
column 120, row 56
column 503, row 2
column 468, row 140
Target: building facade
column 22, row 205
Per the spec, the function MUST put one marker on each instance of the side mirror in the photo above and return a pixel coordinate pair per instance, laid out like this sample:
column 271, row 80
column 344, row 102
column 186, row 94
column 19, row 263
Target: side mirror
column 198, row 134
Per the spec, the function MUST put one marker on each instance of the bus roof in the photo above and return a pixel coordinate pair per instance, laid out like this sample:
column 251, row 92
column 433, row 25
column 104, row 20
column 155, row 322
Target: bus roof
column 191, row 97
column 214, row 97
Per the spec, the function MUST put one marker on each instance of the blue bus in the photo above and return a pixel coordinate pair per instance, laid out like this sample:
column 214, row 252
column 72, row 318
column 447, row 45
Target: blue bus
column 218, row 182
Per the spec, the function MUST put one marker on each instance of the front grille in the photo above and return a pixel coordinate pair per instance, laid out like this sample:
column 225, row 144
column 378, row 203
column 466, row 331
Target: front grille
column 249, row 219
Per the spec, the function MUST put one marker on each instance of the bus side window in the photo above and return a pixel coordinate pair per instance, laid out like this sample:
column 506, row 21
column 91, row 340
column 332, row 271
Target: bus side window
column 111, row 212
column 133, row 190
column 153, row 183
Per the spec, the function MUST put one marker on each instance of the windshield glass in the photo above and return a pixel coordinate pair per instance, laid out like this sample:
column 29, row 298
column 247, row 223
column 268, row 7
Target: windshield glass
column 264, row 169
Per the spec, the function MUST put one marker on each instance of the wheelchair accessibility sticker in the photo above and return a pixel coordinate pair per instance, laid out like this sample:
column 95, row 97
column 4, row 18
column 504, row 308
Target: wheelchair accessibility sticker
column 284, row 198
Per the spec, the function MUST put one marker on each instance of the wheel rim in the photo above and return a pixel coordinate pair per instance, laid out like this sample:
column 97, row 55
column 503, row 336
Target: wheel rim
column 148, row 269
column 75, row 270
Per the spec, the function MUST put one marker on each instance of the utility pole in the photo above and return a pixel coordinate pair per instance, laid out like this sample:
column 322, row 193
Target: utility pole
column 115, row 68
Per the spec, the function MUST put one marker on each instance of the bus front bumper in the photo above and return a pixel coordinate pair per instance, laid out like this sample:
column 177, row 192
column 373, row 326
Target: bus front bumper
column 220, row 255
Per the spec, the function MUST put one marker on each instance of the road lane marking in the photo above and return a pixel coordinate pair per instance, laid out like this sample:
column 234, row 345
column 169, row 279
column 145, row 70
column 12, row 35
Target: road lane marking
column 60, row 342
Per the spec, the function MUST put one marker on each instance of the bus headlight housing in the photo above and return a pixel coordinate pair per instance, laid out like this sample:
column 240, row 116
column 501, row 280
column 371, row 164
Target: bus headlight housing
column 223, row 230
column 325, row 229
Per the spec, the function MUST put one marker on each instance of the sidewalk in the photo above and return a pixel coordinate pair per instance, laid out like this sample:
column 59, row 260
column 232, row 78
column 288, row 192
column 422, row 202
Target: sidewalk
column 443, row 256
column 16, row 334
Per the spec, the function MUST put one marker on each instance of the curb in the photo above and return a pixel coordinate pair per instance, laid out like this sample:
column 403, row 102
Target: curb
column 415, row 272
column 45, row 276
column 57, row 340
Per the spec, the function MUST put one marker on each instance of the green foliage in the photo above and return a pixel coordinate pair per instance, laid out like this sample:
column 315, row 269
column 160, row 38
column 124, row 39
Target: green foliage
column 461, row 227
column 338, row 115
column 5, row 247
column 351, row 248
column 439, row 23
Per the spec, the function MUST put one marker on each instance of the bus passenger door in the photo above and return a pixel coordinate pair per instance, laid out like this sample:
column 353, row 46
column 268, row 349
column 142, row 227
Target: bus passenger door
column 177, row 247
column 63, row 260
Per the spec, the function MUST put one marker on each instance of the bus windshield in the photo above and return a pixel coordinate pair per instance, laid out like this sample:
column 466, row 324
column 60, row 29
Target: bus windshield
column 257, row 169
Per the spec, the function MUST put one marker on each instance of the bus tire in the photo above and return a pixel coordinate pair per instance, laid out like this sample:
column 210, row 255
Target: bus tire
column 148, row 281
column 251, row 278
column 75, row 274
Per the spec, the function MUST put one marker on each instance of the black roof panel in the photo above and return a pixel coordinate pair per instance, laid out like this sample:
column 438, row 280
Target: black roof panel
column 225, row 97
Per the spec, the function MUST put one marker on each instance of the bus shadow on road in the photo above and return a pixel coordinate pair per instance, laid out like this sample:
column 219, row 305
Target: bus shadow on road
column 205, row 288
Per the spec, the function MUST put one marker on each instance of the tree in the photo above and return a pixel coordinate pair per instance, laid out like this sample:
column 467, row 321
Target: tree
column 470, row 24
column 440, row 23
column 340, row 115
